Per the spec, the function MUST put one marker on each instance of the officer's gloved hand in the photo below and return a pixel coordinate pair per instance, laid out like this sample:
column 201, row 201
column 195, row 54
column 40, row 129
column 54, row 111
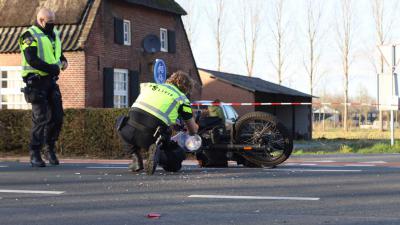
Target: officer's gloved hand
column 55, row 70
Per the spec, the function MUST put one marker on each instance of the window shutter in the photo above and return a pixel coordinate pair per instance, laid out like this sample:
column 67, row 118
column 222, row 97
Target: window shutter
column 108, row 87
column 133, row 86
column 171, row 41
column 118, row 31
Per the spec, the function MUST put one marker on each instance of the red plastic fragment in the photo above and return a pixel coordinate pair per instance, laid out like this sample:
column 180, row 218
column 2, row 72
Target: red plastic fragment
column 153, row 215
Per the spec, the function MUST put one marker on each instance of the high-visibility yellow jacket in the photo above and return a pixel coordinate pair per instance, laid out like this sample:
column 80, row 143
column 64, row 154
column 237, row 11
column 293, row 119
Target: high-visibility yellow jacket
column 161, row 101
column 47, row 50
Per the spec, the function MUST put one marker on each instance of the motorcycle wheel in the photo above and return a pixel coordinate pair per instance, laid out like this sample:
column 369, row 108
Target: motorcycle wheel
column 260, row 128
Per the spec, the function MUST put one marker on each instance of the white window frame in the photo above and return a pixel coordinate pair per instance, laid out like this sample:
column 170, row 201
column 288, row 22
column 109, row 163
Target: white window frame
column 121, row 88
column 127, row 32
column 15, row 92
column 164, row 39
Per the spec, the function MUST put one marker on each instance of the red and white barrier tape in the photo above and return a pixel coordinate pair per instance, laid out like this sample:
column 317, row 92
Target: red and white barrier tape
column 285, row 104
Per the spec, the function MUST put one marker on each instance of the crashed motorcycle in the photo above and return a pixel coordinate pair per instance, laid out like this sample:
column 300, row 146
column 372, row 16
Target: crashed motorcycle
column 257, row 139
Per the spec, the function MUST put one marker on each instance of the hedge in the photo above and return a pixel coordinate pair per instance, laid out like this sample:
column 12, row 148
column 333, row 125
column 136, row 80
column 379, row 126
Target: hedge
column 86, row 132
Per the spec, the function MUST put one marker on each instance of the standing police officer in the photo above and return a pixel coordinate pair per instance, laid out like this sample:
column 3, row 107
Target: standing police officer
column 42, row 60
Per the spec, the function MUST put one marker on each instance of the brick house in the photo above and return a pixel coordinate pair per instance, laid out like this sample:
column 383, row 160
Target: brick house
column 238, row 88
column 103, row 42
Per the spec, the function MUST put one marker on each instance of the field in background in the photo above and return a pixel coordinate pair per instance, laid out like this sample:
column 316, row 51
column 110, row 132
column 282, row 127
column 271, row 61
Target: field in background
column 369, row 134
column 361, row 141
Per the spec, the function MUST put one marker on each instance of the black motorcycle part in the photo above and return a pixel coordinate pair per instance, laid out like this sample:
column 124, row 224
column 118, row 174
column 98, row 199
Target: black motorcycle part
column 212, row 158
column 264, row 140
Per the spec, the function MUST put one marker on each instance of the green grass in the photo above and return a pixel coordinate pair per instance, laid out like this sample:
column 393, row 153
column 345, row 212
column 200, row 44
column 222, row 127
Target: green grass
column 336, row 141
column 346, row 147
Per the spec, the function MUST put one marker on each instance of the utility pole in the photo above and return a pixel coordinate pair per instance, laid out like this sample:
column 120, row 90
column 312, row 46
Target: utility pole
column 394, row 94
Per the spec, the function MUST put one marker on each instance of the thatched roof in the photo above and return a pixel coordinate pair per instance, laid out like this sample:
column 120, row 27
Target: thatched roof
column 74, row 19
column 163, row 5
column 74, row 30
column 23, row 13
column 14, row 14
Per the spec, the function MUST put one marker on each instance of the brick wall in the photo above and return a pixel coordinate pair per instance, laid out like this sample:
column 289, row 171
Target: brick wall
column 102, row 52
column 72, row 80
column 216, row 89
column 10, row 60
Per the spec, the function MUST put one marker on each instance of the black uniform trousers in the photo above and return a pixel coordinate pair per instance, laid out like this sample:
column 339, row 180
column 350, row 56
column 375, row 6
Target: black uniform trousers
column 138, row 134
column 47, row 111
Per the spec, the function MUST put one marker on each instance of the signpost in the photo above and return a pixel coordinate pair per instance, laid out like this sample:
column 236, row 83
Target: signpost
column 160, row 71
column 388, row 86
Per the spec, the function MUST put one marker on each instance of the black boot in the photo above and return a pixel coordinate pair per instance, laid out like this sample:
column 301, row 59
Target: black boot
column 153, row 159
column 36, row 159
column 137, row 162
column 50, row 154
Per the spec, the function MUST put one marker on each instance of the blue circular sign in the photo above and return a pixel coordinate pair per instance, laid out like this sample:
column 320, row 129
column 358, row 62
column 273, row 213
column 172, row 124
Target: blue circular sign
column 160, row 71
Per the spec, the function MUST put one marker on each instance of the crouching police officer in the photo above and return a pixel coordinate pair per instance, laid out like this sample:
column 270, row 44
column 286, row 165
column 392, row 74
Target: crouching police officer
column 42, row 60
column 157, row 108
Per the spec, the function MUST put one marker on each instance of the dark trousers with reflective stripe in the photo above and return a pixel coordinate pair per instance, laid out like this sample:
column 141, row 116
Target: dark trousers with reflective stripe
column 134, row 139
column 47, row 114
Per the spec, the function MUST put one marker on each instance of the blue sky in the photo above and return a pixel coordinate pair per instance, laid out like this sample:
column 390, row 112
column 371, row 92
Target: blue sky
column 362, row 72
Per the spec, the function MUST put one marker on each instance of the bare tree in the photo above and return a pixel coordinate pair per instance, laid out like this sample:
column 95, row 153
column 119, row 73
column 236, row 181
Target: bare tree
column 278, row 30
column 383, row 26
column 314, row 14
column 190, row 20
column 219, row 30
column 345, row 37
column 250, row 26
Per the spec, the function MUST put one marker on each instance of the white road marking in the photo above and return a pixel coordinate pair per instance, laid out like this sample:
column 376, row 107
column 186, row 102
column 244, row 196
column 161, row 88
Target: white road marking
column 370, row 165
column 320, row 161
column 314, row 170
column 32, row 192
column 292, row 164
column 332, row 166
column 308, row 164
column 107, row 167
column 3, row 166
column 378, row 162
column 254, row 197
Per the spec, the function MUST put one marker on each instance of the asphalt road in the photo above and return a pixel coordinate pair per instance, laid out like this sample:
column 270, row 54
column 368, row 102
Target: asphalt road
column 313, row 190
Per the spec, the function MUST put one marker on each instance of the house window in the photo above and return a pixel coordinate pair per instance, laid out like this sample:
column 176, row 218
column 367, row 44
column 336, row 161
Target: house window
column 127, row 32
column 164, row 39
column 11, row 96
column 120, row 88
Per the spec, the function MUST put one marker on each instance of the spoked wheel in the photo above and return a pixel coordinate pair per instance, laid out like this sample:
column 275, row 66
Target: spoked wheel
column 263, row 129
